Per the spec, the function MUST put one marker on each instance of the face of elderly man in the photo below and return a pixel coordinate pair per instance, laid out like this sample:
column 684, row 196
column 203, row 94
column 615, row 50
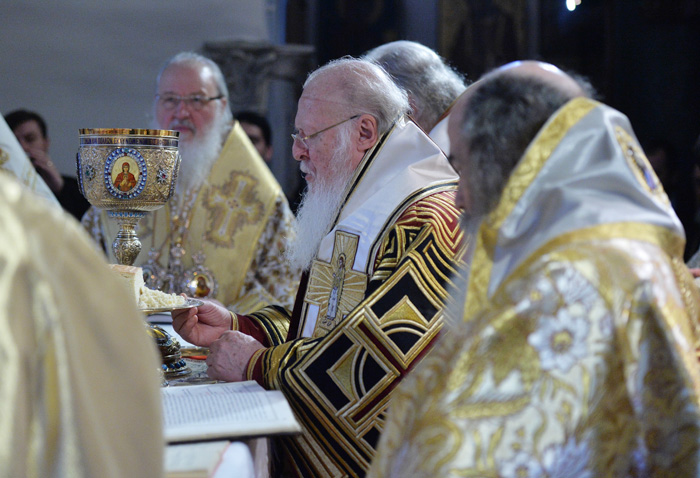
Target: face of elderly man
column 188, row 80
column 324, row 155
column 336, row 136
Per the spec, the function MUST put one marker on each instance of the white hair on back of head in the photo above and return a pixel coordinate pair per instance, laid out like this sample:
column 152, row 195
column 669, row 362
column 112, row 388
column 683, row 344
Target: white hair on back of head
column 430, row 81
column 190, row 58
column 365, row 86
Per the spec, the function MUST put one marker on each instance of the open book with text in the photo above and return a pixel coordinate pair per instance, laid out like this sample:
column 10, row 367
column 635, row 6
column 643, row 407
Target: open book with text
column 225, row 411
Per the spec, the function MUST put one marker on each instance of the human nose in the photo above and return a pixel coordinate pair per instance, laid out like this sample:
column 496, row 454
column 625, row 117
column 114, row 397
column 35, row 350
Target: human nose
column 299, row 151
column 25, row 145
column 181, row 109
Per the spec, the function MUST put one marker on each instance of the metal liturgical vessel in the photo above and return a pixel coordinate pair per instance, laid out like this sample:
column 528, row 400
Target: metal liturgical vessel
column 128, row 172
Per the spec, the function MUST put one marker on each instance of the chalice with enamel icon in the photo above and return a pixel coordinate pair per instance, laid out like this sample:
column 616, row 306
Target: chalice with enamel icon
column 129, row 172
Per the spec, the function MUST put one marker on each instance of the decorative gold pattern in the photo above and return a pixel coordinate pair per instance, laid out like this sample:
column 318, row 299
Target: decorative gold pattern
column 552, row 376
column 335, row 288
column 581, row 360
column 127, row 179
column 232, row 205
column 94, row 166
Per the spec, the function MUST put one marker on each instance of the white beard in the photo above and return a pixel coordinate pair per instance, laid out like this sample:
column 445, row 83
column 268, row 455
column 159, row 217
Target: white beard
column 319, row 208
column 198, row 155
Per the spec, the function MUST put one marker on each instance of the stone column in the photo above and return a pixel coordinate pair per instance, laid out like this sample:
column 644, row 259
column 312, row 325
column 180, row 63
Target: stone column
column 267, row 79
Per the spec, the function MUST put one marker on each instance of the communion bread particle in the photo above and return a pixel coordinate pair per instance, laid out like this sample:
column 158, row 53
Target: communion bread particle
column 155, row 299
column 145, row 298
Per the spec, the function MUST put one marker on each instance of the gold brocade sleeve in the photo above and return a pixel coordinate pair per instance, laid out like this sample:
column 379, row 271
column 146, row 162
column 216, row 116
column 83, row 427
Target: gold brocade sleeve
column 269, row 326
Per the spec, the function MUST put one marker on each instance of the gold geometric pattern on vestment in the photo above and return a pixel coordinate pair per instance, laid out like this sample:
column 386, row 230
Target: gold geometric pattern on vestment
column 232, row 206
column 404, row 313
column 373, row 335
column 342, row 372
column 341, row 386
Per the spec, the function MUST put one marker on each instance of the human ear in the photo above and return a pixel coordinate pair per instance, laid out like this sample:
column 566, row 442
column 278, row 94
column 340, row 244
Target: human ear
column 368, row 132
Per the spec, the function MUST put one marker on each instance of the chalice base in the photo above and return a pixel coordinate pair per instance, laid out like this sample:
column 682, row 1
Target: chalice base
column 173, row 365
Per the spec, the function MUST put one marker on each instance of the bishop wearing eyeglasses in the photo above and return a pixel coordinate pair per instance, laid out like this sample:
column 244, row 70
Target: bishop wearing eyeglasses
column 223, row 234
column 378, row 240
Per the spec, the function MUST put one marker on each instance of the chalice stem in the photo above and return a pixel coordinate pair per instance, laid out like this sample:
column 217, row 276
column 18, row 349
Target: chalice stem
column 126, row 245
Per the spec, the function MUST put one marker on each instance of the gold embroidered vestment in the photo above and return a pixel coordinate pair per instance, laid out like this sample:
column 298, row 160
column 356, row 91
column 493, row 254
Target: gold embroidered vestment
column 577, row 352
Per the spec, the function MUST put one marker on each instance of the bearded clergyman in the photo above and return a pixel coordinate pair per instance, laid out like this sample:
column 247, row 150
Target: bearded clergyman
column 379, row 241
column 224, row 233
column 575, row 352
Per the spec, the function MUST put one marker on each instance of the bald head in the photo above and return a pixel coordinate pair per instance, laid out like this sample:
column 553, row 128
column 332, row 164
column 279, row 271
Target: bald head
column 495, row 121
column 545, row 73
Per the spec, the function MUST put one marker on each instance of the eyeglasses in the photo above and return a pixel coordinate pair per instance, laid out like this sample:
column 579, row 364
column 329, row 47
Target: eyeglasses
column 193, row 102
column 304, row 139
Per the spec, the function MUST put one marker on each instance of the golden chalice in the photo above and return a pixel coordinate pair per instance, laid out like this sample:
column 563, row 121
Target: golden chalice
column 128, row 172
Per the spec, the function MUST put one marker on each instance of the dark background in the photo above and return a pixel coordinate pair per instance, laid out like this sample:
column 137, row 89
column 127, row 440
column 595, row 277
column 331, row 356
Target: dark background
column 642, row 56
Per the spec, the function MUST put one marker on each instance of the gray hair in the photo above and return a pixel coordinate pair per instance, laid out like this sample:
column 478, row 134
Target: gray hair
column 366, row 87
column 190, row 58
column 431, row 82
column 500, row 119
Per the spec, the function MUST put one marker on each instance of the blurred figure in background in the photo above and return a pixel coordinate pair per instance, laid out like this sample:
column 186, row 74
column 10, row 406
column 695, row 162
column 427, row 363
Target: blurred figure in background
column 32, row 133
column 258, row 129
column 226, row 228
column 259, row 132
column 432, row 85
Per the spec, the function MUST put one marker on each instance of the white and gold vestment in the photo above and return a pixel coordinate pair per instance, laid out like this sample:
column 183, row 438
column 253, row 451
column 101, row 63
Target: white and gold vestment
column 577, row 353
column 79, row 387
column 14, row 160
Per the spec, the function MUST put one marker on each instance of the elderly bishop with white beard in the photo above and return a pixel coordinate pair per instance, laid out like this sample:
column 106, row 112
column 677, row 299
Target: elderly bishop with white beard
column 224, row 233
column 378, row 239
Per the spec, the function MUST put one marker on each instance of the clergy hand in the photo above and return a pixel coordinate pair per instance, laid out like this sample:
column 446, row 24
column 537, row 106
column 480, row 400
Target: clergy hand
column 202, row 325
column 229, row 356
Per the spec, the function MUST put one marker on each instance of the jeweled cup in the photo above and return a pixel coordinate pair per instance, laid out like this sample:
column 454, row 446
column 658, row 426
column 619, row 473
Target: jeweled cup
column 127, row 172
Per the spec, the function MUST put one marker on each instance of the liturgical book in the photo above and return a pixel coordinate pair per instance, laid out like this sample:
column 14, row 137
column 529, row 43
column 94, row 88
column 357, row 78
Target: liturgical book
column 194, row 460
column 225, row 410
